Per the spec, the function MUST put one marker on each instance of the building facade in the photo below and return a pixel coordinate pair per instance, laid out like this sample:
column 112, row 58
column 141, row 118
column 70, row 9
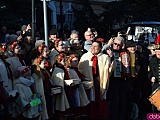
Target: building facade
column 67, row 12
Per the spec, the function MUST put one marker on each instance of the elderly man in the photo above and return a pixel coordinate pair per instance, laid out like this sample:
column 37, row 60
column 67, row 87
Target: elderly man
column 95, row 66
column 89, row 37
column 117, row 44
column 119, row 87
column 74, row 34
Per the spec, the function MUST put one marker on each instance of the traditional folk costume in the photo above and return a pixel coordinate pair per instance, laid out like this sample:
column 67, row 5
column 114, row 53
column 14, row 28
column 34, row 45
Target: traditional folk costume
column 21, row 59
column 48, row 63
column 96, row 68
column 14, row 63
column 48, row 66
column 81, row 94
column 78, row 96
column 23, row 101
column 23, row 108
column 54, row 51
column 6, row 75
column 47, row 91
column 52, row 55
column 15, row 60
column 58, row 77
column 6, row 85
column 43, row 87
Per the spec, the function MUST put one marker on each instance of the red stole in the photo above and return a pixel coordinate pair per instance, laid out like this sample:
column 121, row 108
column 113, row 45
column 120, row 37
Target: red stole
column 21, row 59
column 80, row 75
column 9, row 71
column 48, row 65
column 69, row 90
column 66, row 75
column 94, row 60
column 46, row 78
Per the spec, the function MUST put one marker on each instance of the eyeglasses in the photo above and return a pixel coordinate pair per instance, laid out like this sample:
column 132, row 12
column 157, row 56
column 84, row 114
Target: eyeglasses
column 117, row 44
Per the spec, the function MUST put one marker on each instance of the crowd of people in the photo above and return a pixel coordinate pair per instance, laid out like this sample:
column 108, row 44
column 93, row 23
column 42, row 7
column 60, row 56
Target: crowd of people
column 93, row 79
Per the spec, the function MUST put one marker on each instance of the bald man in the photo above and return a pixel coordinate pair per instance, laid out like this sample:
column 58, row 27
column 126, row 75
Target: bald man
column 89, row 37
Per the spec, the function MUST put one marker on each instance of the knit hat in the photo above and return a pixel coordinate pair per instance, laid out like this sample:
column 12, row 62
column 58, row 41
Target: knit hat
column 24, row 27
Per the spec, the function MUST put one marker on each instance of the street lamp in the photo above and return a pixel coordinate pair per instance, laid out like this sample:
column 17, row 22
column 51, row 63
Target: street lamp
column 33, row 22
column 45, row 21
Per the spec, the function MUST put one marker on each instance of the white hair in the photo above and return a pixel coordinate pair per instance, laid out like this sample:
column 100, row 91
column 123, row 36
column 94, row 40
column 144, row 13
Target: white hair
column 120, row 39
column 74, row 32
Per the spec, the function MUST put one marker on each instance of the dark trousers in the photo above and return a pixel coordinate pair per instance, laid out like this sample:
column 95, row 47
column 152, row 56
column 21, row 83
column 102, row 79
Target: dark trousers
column 120, row 95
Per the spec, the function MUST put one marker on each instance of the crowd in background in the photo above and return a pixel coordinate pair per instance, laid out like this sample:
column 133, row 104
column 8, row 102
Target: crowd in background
column 91, row 78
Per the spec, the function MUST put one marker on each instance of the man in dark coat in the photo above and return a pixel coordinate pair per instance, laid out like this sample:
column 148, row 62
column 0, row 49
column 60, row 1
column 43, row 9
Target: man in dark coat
column 154, row 71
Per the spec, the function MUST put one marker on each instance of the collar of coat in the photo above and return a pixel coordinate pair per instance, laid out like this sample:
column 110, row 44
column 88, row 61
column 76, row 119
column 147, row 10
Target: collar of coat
column 99, row 54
